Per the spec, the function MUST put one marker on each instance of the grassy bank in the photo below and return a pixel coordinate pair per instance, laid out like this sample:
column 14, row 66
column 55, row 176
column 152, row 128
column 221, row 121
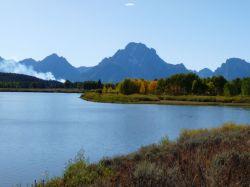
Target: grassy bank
column 46, row 90
column 162, row 99
column 119, row 98
column 214, row 157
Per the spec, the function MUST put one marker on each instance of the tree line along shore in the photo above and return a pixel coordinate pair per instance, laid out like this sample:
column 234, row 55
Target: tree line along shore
column 179, row 84
column 177, row 89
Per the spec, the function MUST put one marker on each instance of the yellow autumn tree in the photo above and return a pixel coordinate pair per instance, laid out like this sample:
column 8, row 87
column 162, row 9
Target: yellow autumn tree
column 152, row 86
column 104, row 89
column 143, row 87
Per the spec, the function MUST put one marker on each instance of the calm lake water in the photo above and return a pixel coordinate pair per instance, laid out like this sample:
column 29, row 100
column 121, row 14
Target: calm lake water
column 40, row 132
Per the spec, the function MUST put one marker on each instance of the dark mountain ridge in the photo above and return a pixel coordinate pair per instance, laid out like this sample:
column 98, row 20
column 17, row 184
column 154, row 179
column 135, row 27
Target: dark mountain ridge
column 135, row 61
column 14, row 80
column 83, row 69
column 58, row 66
column 234, row 68
column 204, row 73
column 14, row 77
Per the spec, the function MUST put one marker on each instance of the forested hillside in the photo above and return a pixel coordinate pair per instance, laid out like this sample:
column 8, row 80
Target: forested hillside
column 13, row 80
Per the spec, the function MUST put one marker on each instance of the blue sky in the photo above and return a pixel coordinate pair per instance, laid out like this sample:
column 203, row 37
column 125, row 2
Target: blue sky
column 194, row 32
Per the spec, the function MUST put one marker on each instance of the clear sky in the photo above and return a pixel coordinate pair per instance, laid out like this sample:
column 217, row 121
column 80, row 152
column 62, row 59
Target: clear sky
column 194, row 32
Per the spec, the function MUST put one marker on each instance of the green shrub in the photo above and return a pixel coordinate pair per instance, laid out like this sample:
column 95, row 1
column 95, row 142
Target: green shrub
column 245, row 87
column 165, row 141
column 128, row 87
column 55, row 182
column 79, row 172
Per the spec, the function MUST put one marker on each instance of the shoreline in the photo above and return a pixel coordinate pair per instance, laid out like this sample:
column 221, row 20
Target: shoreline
column 138, row 99
column 41, row 90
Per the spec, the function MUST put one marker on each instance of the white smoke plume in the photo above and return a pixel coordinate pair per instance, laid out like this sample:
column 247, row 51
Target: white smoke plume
column 10, row 66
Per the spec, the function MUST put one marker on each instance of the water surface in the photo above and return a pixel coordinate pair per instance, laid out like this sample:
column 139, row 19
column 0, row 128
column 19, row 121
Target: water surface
column 40, row 132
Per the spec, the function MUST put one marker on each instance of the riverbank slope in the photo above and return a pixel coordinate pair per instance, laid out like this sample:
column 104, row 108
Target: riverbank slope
column 167, row 100
column 202, row 157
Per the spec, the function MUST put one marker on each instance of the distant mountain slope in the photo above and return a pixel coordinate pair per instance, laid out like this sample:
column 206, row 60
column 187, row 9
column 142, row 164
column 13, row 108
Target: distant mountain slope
column 234, row 68
column 204, row 73
column 58, row 66
column 83, row 69
column 135, row 61
column 29, row 62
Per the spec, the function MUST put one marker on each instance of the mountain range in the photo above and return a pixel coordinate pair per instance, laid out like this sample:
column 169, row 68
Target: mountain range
column 136, row 60
column 58, row 66
column 234, row 68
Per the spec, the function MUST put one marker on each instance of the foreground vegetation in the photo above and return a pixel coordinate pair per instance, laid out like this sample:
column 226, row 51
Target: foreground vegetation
column 216, row 157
